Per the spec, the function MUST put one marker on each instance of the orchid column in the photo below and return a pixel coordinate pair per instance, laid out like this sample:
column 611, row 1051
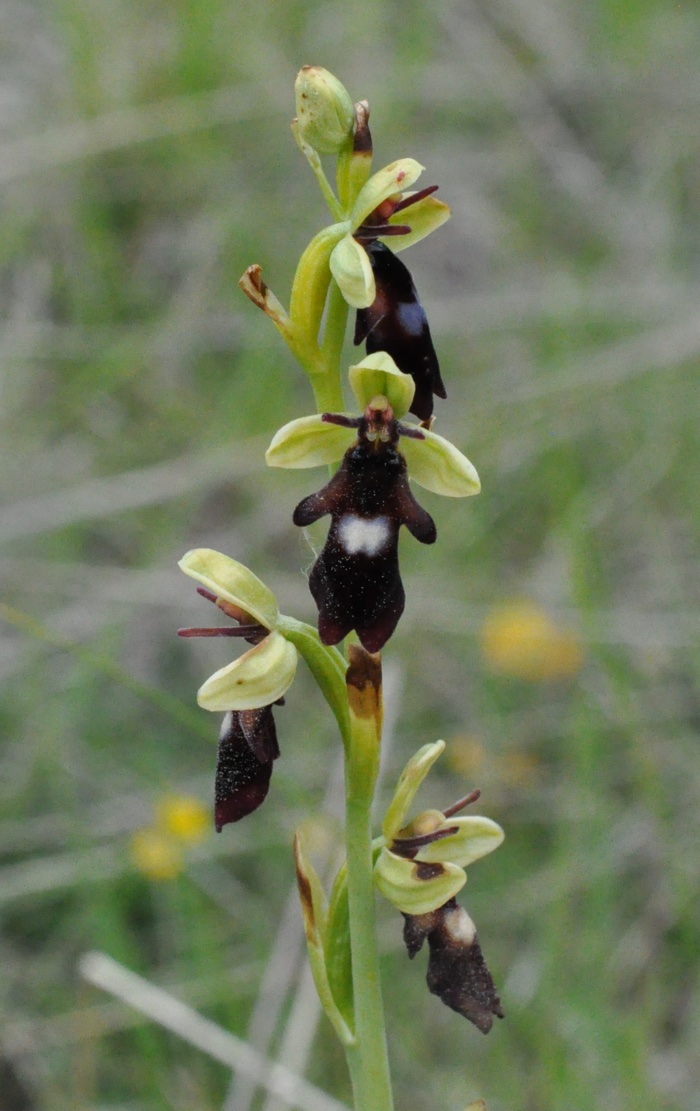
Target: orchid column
column 356, row 584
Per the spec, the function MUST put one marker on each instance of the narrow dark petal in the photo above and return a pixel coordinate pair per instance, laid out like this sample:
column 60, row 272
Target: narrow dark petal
column 457, row 971
column 242, row 779
column 368, row 232
column 222, row 631
column 409, row 846
column 342, row 420
column 406, row 202
column 473, row 796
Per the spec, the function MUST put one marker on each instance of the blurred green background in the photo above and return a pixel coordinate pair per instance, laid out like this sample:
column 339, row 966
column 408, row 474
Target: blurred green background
column 145, row 161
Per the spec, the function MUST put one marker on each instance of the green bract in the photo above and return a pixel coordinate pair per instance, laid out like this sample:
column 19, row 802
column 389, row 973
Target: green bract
column 421, row 879
column 432, row 461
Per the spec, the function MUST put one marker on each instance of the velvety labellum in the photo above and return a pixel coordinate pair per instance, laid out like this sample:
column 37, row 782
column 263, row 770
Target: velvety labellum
column 247, row 748
column 355, row 581
column 395, row 322
column 457, row 971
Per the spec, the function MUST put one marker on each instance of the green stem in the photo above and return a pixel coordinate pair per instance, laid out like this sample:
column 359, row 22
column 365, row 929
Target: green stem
column 368, row 1058
column 336, row 324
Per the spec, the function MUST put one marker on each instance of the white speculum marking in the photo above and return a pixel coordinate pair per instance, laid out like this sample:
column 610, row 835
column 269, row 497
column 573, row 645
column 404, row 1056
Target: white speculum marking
column 358, row 534
column 460, row 926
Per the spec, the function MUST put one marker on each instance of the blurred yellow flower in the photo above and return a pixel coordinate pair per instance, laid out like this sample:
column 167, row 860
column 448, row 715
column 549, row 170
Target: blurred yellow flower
column 520, row 639
column 184, row 817
column 156, row 855
column 465, row 755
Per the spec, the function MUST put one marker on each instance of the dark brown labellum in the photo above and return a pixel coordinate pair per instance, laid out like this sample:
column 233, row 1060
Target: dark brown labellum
column 395, row 322
column 457, row 971
column 247, row 748
column 355, row 581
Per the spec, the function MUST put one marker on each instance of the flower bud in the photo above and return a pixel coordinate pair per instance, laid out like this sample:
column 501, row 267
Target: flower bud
column 325, row 111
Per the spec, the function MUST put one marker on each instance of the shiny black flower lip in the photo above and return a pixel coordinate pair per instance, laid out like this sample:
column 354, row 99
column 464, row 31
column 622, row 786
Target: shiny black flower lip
column 395, row 322
column 355, row 581
column 247, row 748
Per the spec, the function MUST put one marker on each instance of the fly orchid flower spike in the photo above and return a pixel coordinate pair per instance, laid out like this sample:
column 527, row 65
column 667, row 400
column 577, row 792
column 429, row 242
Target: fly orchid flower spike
column 246, row 689
column 420, row 869
column 356, row 581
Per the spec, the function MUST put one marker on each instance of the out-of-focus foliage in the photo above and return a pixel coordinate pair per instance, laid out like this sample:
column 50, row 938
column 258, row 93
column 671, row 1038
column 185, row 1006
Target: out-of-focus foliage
column 145, row 161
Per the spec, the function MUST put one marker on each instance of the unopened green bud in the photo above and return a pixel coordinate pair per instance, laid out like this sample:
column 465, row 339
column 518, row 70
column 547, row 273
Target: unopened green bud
column 325, row 111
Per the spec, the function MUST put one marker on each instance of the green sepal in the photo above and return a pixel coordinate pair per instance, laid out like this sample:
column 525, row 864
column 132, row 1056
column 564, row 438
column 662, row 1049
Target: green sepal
column 411, row 887
column 423, row 217
column 327, row 665
column 407, row 787
column 338, row 953
column 437, row 465
column 387, row 182
column 308, row 442
column 352, row 270
column 475, row 837
column 233, row 581
column 379, row 374
column 315, row 911
column 256, row 679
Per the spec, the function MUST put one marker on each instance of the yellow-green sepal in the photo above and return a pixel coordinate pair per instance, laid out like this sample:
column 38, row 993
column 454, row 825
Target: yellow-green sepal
column 437, row 465
column 232, row 581
column 308, row 442
column 407, row 787
column 475, row 837
column 378, row 374
column 414, row 887
column 423, row 217
column 352, row 270
column 257, row 678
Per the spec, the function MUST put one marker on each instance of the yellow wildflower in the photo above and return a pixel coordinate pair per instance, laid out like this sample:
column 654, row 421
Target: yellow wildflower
column 520, row 639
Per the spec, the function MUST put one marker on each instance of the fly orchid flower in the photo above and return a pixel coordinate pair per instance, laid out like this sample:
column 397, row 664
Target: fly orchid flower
column 355, row 581
column 377, row 213
column 246, row 689
column 420, row 869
